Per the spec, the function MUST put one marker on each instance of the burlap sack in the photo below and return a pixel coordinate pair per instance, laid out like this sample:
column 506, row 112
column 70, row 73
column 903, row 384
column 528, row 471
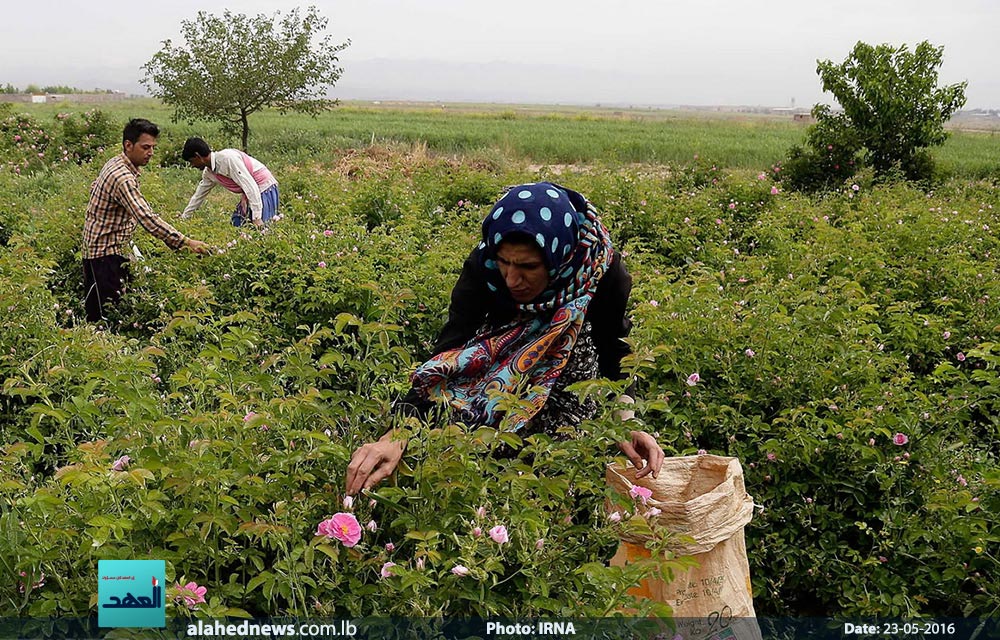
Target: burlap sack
column 702, row 497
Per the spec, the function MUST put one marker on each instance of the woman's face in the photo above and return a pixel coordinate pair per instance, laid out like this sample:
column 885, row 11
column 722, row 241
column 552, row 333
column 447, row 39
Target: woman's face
column 523, row 269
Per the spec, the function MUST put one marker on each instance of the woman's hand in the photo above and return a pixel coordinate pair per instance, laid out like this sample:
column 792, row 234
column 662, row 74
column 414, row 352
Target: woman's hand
column 374, row 462
column 642, row 450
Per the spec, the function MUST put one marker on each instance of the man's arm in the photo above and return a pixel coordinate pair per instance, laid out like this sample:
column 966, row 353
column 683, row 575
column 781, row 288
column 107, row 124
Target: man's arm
column 204, row 187
column 131, row 198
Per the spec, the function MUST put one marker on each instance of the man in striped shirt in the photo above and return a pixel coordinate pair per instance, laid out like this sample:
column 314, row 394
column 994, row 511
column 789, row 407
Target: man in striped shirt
column 116, row 207
column 237, row 172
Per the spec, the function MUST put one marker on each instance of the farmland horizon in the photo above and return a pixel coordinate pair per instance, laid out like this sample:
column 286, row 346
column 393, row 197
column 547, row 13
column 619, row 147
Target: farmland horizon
column 541, row 85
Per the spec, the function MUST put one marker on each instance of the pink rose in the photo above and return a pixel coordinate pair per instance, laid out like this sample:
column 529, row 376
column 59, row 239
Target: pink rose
column 540, row 543
column 476, row 531
column 693, row 379
column 121, row 463
column 190, row 595
column 460, row 570
column 653, row 512
column 499, row 534
column 386, row 571
column 343, row 527
column 641, row 493
column 34, row 585
column 249, row 416
column 900, row 439
column 615, row 517
column 321, row 264
column 328, row 233
column 372, row 526
column 390, row 547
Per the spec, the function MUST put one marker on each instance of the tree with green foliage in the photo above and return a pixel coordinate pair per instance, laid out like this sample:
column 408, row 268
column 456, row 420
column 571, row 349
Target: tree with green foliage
column 231, row 66
column 892, row 110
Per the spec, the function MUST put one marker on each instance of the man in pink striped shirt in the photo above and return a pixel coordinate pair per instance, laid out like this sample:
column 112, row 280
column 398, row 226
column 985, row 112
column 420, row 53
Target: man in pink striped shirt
column 237, row 172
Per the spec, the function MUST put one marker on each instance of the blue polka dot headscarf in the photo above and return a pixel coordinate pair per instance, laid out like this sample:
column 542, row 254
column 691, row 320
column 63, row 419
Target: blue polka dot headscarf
column 559, row 222
column 528, row 355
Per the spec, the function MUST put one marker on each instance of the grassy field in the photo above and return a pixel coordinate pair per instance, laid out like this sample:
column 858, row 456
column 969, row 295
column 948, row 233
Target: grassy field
column 561, row 136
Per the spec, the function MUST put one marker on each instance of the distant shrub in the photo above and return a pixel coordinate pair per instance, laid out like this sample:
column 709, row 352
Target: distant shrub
column 892, row 110
column 86, row 135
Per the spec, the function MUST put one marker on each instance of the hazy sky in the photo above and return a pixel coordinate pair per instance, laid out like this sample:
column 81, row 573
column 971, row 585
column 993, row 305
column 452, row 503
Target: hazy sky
column 665, row 52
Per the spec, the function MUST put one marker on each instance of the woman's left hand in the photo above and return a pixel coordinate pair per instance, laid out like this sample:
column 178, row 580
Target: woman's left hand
column 646, row 455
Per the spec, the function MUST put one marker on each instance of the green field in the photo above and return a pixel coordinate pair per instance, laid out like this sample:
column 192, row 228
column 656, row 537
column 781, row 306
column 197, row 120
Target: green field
column 847, row 346
column 563, row 136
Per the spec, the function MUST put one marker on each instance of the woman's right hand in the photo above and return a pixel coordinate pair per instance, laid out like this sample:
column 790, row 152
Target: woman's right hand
column 374, row 462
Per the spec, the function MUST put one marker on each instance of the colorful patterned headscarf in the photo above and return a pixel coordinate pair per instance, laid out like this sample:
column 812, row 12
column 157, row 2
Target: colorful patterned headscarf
column 527, row 355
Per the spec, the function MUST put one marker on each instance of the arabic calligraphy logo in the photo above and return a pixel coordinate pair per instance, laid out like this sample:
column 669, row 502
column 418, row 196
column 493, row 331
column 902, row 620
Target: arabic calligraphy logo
column 142, row 602
column 122, row 601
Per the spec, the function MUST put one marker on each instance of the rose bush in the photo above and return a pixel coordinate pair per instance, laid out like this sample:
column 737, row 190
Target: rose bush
column 210, row 421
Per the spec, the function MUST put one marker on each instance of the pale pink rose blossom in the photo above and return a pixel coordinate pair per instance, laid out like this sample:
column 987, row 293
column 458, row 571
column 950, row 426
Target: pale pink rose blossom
column 34, row 585
column 348, row 502
column 121, row 463
column 499, row 534
column 642, row 493
column 693, row 379
column 615, row 517
column 460, row 570
column 386, row 571
column 476, row 531
column 371, row 526
column 900, row 439
column 540, row 543
column 960, row 357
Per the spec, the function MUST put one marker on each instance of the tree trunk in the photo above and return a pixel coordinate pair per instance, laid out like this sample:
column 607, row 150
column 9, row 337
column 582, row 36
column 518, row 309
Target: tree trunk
column 246, row 130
